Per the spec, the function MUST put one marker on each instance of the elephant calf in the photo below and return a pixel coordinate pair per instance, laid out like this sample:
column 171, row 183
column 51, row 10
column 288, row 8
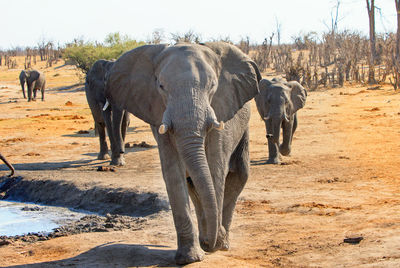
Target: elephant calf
column 105, row 115
column 35, row 80
column 278, row 103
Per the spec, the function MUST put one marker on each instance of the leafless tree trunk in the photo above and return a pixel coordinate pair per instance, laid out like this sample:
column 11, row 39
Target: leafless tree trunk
column 372, row 40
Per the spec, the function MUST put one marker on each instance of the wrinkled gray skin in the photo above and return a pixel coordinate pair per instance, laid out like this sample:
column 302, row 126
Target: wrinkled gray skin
column 184, row 92
column 277, row 104
column 34, row 80
column 114, row 119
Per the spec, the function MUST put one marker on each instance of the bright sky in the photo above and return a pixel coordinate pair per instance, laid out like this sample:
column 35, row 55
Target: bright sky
column 26, row 22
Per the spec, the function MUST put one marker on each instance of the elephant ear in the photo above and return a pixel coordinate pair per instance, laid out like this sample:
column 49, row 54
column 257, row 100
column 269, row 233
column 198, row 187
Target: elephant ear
column 131, row 84
column 298, row 95
column 237, row 82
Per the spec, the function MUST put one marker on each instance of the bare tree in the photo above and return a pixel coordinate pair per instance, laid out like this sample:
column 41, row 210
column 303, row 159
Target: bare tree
column 398, row 30
column 372, row 40
column 158, row 37
column 278, row 30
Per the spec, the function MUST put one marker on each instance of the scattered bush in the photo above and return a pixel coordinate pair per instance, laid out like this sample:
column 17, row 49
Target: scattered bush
column 84, row 54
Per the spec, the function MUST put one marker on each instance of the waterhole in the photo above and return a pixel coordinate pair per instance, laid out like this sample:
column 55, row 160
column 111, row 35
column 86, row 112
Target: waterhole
column 23, row 218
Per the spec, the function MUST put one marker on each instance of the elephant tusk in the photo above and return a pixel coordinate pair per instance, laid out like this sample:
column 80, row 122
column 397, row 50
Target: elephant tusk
column 219, row 126
column 267, row 118
column 286, row 118
column 106, row 105
column 163, row 129
column 270, row 136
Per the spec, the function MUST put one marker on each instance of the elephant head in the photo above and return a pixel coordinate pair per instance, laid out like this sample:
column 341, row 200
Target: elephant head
column 277, row 104
column 186, row 90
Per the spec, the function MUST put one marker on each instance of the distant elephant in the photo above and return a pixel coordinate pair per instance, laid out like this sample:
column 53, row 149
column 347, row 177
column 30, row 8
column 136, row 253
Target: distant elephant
column 35, row 80
column 277, row 104
column 106, row 116
column 196, row 99
column 8, row 165
column 22, row 81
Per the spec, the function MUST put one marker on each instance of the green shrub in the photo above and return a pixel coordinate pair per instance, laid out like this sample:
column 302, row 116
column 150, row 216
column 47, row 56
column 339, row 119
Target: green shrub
column 84, row 54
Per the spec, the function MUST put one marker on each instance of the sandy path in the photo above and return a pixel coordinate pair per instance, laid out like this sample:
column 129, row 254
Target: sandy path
column 342, row 180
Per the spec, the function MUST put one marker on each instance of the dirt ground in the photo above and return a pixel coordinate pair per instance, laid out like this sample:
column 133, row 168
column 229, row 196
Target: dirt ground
column 341, row 181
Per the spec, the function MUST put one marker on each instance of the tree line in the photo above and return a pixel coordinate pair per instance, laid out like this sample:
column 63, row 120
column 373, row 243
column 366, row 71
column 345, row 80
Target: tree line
column 326, row 60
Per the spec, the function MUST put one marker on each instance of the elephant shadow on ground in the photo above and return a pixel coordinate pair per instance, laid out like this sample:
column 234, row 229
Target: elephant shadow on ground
column 56, row 165
column 91, row 132
column 68, row 89
column 258, row 162
column 117, row 255
column 263, row 161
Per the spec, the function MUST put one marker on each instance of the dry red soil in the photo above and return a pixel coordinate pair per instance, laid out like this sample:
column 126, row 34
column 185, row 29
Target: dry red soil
column 341, row 181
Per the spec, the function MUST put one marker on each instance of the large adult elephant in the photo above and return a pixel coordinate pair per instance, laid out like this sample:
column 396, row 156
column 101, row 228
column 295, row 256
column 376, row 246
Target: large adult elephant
column 278, row 103
column 106, row 116
column 195, row 98
column 35, row 80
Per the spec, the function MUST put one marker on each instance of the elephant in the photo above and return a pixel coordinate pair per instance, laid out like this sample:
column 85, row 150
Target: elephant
column 8, row 165
column 196, row 99
column 106, row 116
column 277, row 104
column 35, row 80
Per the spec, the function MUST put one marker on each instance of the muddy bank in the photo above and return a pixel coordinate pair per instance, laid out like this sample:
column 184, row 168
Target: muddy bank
column 97, row 199
column 87, row 224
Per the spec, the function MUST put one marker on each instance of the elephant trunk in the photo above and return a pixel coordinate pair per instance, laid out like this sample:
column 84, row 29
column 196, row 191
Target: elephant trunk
column 8, row 165
column 191, row 149
column 275, row 129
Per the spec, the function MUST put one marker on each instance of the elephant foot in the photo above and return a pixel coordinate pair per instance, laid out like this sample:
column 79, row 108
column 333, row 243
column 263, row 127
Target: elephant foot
column 186, row 255
column 118, row 161
column 284, row 151
column 103, row 156
column 221, row 244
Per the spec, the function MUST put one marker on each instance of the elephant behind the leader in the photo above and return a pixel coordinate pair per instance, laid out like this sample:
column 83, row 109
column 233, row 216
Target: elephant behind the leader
column 35, row 80
column 106, row 116
column 277, row 104
column 196, row 99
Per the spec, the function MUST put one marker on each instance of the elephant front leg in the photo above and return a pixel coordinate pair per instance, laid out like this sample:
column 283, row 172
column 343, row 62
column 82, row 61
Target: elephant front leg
column 273, row 152
column 273, row 132
column 234, row 184
column 103, row 154
column 118, row 146
column 174, row 177
column 288, row 129
column 23, row 90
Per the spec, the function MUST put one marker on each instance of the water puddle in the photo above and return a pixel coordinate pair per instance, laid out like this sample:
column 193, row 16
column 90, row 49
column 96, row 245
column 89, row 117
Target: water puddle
column 23, row 218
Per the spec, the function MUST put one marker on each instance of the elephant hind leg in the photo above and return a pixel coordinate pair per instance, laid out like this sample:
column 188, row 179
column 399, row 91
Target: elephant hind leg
column 235, row 182
column 42, row 91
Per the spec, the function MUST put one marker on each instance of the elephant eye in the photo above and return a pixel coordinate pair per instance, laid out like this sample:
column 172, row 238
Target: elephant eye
column 162, row 87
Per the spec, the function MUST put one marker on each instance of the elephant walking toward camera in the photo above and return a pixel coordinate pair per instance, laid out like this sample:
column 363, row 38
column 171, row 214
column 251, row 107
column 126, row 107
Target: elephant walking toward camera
column 34, row 80
column 278, row 103
column 106, row 116
column 195, row 98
